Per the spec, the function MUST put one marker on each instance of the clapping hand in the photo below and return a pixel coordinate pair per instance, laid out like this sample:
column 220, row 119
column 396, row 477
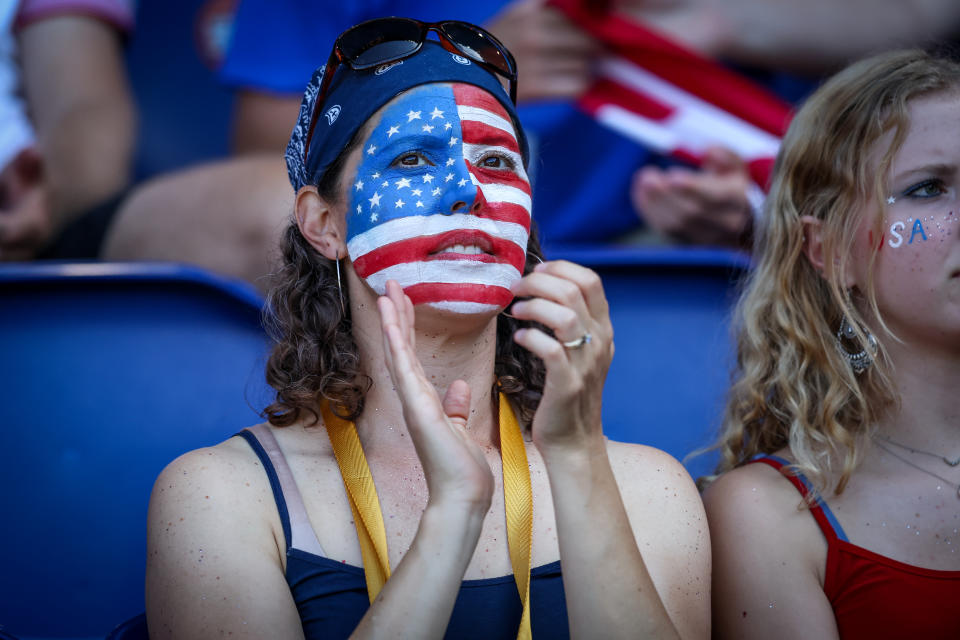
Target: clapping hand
column 456, row 471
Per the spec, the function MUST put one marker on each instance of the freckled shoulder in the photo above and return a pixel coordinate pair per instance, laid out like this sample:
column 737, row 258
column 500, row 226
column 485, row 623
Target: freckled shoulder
column 227, row 480
column 643, row 469
column 759, row 498
column 215, row 547
column 768, row 557
column 670, row 527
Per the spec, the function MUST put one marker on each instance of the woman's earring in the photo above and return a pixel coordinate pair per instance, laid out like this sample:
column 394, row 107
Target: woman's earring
column 339, row 287
column 861, row 360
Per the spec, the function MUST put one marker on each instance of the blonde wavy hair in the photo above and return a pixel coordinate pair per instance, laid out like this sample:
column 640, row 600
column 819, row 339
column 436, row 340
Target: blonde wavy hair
column 791, row 385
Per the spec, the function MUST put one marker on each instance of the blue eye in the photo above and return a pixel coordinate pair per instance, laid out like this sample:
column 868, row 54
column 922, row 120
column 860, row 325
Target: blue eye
column 930, row 188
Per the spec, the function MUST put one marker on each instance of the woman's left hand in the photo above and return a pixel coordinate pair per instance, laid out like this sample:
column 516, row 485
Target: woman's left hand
column 569, row 299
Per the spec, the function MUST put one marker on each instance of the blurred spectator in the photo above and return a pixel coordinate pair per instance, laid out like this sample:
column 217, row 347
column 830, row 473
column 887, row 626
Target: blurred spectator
column 66, row 145
column 591, row 184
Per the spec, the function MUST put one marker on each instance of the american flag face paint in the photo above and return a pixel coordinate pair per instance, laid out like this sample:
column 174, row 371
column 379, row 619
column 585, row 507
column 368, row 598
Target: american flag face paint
column 441, row 201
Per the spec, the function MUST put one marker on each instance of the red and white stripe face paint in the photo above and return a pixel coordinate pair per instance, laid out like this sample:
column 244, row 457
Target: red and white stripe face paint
column 441, row 201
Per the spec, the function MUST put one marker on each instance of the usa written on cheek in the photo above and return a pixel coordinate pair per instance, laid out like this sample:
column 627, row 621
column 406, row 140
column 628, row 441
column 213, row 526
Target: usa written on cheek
column 920, row 229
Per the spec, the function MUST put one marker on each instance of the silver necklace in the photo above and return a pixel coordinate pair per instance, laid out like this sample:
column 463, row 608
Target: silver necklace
column 947, row 460
column 952, row 485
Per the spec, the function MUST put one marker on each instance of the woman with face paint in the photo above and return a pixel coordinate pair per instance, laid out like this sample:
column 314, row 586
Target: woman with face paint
column 837, row 512
column 432, row 458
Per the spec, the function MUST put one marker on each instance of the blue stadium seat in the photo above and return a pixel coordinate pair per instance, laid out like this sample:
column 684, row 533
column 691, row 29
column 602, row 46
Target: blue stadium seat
column 108, row 372
column 670, row 310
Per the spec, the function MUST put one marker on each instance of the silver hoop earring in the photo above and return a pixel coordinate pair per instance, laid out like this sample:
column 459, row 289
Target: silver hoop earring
column 861, row 360
column 339, row 287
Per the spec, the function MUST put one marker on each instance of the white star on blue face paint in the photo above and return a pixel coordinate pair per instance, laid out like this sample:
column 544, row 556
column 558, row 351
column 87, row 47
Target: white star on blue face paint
column 392, row 130
column 436, row 191
column 416, row 192
column 371, row 150
column 428, row 178
column 413, row 115
column 450, row 162
column 462, row 182
column 448, row 177
column 402, row 182
column 447, row 126
column 436, row 113
column 398, row 204
column 359, row 209
column 376, row 175
column 373, row 217
column 427, row 127
column 453, row 141
column 419, row 204
column 375, row 200
column 385, row 184
column 358, row 185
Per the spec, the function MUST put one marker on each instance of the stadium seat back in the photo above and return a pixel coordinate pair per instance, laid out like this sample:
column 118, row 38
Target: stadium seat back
column 109, row 372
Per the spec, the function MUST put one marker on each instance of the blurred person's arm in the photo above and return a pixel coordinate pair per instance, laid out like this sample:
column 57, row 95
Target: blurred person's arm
column 554, row 57
column 811, row 36
column 24, row 214
column 82, row 110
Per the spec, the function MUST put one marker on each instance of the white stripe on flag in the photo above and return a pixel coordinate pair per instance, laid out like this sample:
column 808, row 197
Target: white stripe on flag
column 494, row 192
column 413, row 226
column 446, row 271
column 460, row 306
column 478, row 114
column 694, row 125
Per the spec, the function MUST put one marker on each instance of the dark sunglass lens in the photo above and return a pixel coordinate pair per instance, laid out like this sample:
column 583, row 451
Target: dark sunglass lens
column 385, row 52
column 478, row 46
column 355, row 42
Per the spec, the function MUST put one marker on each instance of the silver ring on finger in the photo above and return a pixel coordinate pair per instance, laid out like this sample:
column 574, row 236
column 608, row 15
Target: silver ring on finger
column 579, row 342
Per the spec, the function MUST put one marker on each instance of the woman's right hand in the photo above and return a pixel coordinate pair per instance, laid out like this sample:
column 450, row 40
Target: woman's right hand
column 454, row 465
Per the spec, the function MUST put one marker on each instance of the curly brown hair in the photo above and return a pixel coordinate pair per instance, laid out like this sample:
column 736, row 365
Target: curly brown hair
column 315, row 358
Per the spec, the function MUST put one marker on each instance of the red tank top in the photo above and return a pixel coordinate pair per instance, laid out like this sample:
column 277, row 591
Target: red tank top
column 874, row 596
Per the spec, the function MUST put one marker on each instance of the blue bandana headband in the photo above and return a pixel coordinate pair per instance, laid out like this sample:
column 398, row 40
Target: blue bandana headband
column 354, row 96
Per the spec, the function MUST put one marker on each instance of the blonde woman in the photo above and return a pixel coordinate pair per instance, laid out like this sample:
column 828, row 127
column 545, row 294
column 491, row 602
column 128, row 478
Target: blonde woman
column 837, row 510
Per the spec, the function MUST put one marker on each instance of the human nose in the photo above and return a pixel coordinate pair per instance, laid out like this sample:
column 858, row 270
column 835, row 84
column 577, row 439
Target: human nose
column 463, row 194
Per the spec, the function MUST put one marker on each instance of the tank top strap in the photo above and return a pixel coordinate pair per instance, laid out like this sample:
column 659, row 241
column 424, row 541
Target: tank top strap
column 296, row 525
column 821, row 512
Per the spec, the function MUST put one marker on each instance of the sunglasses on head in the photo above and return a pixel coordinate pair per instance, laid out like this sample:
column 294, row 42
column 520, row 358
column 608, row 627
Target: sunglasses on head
column 384, row 40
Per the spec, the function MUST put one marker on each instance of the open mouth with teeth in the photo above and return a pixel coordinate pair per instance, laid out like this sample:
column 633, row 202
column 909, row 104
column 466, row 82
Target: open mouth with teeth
column 464, row 245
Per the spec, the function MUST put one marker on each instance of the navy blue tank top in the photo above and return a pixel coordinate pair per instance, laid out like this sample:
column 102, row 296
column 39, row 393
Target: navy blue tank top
column 331, row 596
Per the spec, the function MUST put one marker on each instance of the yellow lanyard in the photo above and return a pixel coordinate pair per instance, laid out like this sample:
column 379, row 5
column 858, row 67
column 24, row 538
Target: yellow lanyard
column 517, row 495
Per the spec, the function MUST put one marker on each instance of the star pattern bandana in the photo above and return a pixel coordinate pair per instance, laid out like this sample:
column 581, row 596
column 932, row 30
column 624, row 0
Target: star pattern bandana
column 441, row 201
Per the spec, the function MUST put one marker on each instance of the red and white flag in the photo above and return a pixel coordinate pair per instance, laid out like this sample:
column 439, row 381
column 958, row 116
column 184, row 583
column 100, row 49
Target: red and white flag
column 675, row 101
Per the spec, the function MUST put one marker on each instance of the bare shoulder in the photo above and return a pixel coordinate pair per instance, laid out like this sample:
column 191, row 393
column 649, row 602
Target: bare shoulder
column 206, row 492
column 757, row 506
column 662, row 503
column 648, row 475
column 768, row 558
column 755, row 495
column 221, row 469
column 670, row 527
column 214, row 546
